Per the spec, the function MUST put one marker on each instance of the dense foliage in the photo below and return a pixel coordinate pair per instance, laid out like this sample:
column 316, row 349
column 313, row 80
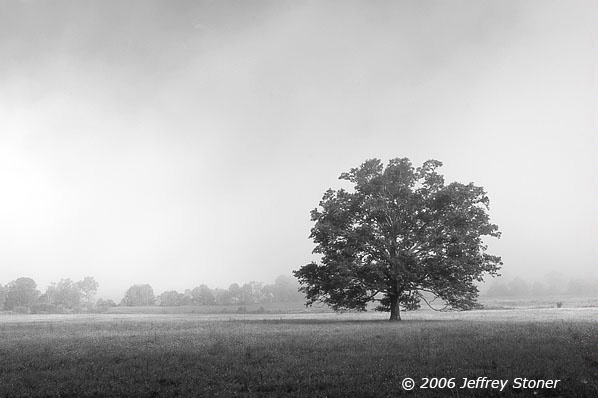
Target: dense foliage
column 400, row 233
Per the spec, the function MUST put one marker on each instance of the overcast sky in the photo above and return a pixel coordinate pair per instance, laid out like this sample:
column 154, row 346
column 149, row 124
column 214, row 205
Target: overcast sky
column 180, row 143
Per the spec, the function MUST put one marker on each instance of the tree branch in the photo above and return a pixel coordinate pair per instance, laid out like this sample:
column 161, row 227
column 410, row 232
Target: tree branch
column 429, row 304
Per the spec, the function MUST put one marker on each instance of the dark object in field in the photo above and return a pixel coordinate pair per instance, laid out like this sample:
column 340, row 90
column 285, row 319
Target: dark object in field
column 559, row 304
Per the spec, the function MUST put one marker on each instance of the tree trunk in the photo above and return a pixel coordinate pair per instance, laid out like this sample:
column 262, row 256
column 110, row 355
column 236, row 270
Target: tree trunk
column 395, row 311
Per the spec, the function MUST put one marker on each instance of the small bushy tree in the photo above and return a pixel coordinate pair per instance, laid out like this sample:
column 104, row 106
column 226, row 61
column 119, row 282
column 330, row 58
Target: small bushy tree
column 105, row 303
column 88, row 287
column 139, row 295
column 21, row 293
column 234, row 291
column 65, row 293
column 222, row 296
column 202, row 295
column 172, row 298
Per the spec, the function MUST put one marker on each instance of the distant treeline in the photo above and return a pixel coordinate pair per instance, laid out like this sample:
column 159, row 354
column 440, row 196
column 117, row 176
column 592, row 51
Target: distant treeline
column 283, row 289
column 554, row 286
column 22, row 295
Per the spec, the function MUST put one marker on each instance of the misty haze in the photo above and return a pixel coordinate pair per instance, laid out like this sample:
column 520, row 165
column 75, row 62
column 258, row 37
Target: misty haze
column 195, row 192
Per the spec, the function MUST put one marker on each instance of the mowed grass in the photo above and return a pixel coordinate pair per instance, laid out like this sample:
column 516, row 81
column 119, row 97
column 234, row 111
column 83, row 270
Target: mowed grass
column 305, row 355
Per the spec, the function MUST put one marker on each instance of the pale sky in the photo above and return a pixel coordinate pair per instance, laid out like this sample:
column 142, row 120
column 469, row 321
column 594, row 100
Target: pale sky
column 181, row 143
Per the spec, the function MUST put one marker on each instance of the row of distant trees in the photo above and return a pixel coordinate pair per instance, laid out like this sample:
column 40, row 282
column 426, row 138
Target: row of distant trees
column 519, row 287
column 22, row 295
column 284, row 288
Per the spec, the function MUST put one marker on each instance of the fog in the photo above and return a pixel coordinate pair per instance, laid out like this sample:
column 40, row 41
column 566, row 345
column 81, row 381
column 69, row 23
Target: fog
column 185, row 143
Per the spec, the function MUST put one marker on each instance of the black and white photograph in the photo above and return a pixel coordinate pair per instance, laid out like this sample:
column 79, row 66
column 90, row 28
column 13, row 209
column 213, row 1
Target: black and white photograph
column 298, row 198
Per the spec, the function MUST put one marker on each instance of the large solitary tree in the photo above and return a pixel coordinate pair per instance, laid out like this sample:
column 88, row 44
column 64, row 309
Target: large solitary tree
column 398, row 237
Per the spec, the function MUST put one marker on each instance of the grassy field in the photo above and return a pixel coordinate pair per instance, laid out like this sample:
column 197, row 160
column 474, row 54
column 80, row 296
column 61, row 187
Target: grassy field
column 314, row 354
column 298, row 307
column 292, row 307
column 567, row 301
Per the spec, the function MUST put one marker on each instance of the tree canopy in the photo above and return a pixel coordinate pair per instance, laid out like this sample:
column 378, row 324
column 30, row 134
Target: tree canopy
column 65, row 293
column 88, row 287
column 21, row 292
column 139, row 295
column 398, row 237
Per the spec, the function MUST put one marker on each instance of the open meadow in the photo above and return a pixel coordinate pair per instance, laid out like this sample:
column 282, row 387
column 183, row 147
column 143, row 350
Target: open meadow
column 301, row 354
